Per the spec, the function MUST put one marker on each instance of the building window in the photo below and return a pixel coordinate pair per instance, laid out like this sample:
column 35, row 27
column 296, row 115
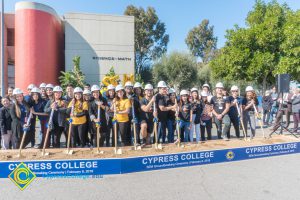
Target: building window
column 10, row 37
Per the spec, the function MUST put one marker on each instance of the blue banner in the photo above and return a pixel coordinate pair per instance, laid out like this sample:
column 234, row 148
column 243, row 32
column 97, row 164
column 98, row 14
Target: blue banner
column 65, row 168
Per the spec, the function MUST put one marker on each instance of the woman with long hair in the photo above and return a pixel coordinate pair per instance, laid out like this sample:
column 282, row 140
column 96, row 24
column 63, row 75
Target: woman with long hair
column 122, row 108
column 5, row 124
column 171, row 123
column 37, row 103
column 19, row 114
column 78, row 110
column 249, row 105
column 110, row 95
column 206, row 116
column 58, row 123
column 101, row 103
column 197, row 110
column 186, row 117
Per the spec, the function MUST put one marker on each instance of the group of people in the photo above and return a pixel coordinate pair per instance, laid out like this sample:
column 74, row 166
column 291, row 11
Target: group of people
column 132, row 108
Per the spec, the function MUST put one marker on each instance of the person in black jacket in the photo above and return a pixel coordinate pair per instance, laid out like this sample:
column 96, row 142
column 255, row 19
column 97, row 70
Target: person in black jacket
column 110, row 94
column 98, row 100
column 59, row 115
column 266, row 105
column 5, row 124
column 19, row 114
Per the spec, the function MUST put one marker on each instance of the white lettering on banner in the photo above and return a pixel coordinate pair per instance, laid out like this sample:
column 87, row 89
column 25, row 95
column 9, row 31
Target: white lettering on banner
column 175, row 158
column 76, row 165
column 33, row 166
column 266, row 149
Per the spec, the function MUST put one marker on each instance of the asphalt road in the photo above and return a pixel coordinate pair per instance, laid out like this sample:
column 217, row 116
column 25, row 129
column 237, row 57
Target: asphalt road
column 266, row 178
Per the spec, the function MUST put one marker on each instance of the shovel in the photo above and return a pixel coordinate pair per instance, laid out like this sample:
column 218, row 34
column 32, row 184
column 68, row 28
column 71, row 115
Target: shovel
column 136, row 146
column 47, row 134
column 242, row 123
column 24, row 135
column 117, row 150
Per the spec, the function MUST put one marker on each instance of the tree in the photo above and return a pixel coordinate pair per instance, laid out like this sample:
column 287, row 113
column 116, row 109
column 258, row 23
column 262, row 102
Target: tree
column 74, row 77
column 268, row 45
column 150, row 40
column 179, row 70
column 201, row 41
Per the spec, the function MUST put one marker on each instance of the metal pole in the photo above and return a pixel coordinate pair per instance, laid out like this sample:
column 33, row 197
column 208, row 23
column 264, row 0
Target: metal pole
column 2, row 51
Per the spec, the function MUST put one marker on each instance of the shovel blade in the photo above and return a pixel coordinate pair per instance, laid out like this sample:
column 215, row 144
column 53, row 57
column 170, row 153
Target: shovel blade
column 69, row 152
column 45, row 153
column 118, row 151
column 99, row 152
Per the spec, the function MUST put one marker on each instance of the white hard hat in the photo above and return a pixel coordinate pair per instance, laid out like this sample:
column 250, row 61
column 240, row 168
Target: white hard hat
column 267, row 93
column 234, row 87
column 128, row 84
column 110, row 87
column 204, row 94
column 137, row 85
column 194, row 90
column 184, row 92
column 171, row 91
column 249, row 89
column 43, row 85
column 119, row 87
column 35, row 90
column 30, row 86
column 85, row 92
column 17, row 91
column 161, row 84
column 148, row 87
column 78, row 90
column 57, row 89
column 205, row 85
column 219, row 85
column 49, row 86
column 95, row 88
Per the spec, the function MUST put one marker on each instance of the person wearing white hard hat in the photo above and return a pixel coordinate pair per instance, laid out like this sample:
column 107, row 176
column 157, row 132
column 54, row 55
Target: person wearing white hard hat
column 122, row 106
column 138, row 90
column 162, row 110
column 235, row 103
column 171, row 122
column 43, row 91
column 98, row 102
column 221, row 107
column 19, row 113
column 5, row 124
column 248, row 103
column 110, row 95
column 147, row 123
column 29, row 88
column 89, row 130
column 69, row 93
column 206, row 116
column 59, row 106
column 79, row 119
column 49, row 91
column 37, row 104
column 128, row 89
column 197, row 110
column 266, row 106
column 186, row 117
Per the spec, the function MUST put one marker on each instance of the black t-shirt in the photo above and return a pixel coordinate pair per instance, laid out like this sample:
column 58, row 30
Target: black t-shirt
column 171, row 113
column 233, row 109
column 197, row 110
column 109, row 104
column 146, row 115
column 246, row 102
column 161, row 101
column 185, row 116
column 219, row 103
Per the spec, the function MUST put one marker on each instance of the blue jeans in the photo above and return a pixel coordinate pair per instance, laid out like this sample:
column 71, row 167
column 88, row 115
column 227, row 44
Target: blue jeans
column 162, row 126
column 185, row 126
column 273, row 112
column 171, row 128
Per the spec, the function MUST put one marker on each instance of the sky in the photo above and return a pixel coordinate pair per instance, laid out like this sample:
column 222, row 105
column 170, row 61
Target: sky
column 180, row 16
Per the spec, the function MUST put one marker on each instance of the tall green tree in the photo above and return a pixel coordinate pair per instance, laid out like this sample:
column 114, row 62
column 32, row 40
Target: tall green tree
column 75, row 77
column 201, row 41
column 179, row 70
column 268, row 45
column 150, row 40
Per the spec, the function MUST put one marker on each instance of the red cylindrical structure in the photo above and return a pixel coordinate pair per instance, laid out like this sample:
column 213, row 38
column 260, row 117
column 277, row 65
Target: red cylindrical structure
column 38, row 44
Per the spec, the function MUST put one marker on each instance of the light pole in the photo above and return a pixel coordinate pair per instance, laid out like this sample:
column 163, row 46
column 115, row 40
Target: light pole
column 2, row 51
